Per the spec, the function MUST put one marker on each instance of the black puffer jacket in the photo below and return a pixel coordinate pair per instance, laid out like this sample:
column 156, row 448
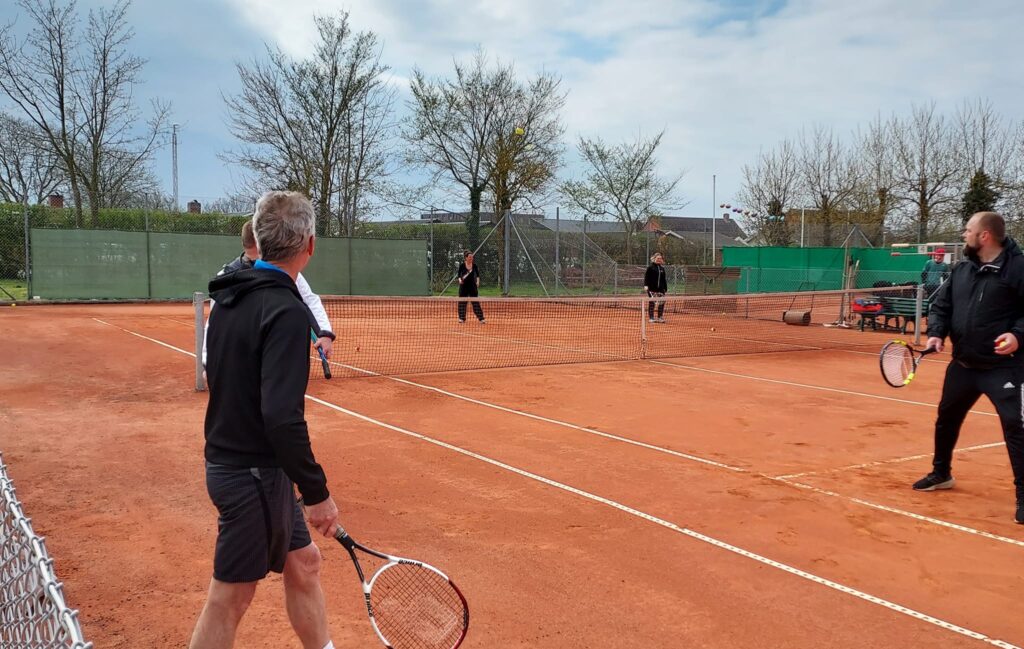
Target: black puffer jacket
column 978, row 304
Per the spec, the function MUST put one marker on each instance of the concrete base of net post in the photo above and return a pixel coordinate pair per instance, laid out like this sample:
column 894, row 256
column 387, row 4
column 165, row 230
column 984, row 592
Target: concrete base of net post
column 198, row 301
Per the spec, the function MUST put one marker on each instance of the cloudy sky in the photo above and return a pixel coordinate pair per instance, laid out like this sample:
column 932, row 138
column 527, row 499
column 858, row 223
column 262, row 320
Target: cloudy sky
column 724, row 79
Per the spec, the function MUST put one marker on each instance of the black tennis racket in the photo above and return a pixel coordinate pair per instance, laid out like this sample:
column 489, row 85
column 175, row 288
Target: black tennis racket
column 899, row 362
column 323, row 357
column 412, row 605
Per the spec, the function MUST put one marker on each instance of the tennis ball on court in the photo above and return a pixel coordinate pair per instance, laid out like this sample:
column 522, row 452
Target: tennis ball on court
column 712, row 328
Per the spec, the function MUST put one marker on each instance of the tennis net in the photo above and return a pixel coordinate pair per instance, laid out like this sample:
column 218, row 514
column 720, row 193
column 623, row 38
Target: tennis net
column 398, row 335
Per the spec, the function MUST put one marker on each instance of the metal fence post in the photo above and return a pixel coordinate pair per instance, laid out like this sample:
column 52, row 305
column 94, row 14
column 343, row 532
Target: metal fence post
column 28, row 267
column 200, row 325
column 918, row 307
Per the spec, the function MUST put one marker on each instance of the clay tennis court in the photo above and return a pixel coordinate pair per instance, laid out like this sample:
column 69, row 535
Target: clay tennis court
column 740, row 500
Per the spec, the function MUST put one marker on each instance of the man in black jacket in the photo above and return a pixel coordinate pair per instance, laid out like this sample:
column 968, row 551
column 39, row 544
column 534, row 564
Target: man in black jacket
column 656, row 285
column 981, row 309
column 257, row 442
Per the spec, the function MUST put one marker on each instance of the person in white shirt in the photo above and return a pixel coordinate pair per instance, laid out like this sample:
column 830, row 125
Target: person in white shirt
column 250, row 253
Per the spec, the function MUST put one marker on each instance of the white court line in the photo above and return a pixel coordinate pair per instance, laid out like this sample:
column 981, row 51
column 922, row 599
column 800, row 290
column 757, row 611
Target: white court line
column 682, row 530
column 821, row 388
column 720, row 465
column 635, row 512
column 152, row 340
column 694, row 458
column 892, row 461
column 898, row 608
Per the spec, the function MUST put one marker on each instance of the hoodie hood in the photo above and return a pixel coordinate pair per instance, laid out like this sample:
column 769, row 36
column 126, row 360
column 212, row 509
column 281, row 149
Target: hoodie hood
column 228, row 290
column 1010, row 249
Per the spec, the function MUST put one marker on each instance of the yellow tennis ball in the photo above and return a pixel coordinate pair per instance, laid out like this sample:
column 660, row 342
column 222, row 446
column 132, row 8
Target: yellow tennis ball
column 520, row 130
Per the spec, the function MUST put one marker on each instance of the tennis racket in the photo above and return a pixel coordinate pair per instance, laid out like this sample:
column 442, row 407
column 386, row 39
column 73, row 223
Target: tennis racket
column 323, row 358
column 411, row 605
column 899, row 362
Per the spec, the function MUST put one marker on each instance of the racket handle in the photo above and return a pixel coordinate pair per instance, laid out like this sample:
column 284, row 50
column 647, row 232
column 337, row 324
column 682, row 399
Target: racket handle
column 342, row 537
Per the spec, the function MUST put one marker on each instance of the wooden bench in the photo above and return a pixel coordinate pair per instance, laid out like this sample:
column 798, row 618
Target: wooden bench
column 900, row 308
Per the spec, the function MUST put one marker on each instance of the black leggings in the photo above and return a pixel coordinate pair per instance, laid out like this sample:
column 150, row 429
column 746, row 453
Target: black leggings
column 960, row 391
column 650, row 305
column 477, row 310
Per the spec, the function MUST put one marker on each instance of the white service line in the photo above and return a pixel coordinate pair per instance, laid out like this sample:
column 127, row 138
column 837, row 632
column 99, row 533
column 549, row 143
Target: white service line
column 787, row 479
column 821, row 388
column 643, row 515
column 892, row 461
column 898, row 608
column 152, row 340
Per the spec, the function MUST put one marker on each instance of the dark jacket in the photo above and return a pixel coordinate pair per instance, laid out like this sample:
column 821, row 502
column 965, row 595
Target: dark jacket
column 257, row 368
column 655, row 279
column 979, row 303
column 241, row 262
column 468, row 286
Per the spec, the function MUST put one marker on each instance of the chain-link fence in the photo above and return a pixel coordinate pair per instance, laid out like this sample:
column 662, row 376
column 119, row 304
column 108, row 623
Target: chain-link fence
column 33, row 611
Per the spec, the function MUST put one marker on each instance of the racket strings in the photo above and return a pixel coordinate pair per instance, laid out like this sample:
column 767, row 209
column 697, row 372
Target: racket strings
column 897, row 364
column 416, row 608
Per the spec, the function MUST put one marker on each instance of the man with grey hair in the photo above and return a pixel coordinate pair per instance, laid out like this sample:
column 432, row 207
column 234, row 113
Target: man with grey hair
column 257, row 443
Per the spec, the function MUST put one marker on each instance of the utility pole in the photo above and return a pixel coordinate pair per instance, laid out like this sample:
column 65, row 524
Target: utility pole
column 174, row 163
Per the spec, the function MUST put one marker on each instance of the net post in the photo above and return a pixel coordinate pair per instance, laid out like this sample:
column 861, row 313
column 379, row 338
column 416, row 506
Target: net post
column 918, row 307
column 197, row 308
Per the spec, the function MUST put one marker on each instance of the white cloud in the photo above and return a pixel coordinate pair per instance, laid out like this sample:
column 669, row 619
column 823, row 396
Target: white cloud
column 724, row 79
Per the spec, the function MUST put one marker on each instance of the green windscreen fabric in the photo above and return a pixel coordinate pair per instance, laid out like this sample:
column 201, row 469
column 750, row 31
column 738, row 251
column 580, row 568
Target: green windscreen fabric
column 181, row 264
column 84, row 264
column 328, row 271
column 108, row 264
column 389, row 267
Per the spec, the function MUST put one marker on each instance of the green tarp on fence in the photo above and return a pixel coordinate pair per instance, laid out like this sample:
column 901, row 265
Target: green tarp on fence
column 775, row 269
column 109, row 264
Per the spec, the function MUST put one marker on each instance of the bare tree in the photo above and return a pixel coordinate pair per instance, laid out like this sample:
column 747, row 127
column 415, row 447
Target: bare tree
column 114, row 160
column 485, row 130
column 622, row 181
column 873, row 200
column 38, row 76
column 369, row 159
column 929, row 171
column 295, row 116
column 78, row 92
column 768, row 188
column 985, row 142
column 28, row 168
column 829, row 177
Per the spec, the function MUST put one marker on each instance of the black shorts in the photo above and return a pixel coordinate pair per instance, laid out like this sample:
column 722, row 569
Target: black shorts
column 260, row 522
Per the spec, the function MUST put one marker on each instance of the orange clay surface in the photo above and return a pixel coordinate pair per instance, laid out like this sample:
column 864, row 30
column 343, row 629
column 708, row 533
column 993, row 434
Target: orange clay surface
column 102, row 433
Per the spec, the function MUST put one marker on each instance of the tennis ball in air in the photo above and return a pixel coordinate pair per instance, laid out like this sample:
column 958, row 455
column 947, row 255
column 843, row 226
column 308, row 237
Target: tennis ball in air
column 520, row 130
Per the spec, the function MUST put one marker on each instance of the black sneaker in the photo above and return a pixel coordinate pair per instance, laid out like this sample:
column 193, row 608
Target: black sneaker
column 1019, row 518
column 934, row 481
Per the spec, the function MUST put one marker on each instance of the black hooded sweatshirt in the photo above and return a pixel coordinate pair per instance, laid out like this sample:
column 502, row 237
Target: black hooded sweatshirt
column 977, row 304
column 257, row 368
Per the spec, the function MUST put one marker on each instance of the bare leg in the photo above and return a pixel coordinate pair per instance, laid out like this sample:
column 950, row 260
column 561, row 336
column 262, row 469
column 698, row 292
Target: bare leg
column 303, row 597
column 225, row 605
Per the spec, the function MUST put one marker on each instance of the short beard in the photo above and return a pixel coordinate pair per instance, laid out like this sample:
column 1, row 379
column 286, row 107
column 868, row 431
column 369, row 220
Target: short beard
column 970, row 250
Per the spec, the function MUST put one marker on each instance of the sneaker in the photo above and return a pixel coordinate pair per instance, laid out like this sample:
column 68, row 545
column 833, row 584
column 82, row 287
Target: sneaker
column 934, row 481
column 661, row 319
column 462, row 321
column 652, row 321
column 483, row 321
column 1019, row 518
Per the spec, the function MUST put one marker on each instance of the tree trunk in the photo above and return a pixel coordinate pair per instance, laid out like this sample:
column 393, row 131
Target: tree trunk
column 473, row 222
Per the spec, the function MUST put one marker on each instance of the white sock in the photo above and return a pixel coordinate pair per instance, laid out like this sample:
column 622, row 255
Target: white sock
column 329, row 645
